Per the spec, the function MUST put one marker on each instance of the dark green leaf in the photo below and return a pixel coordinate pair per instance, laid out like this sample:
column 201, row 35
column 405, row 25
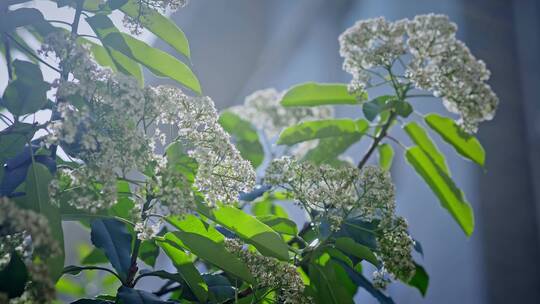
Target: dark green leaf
column 160, row 25
column 444, row 188
column 421, row 138
column 403, row 108
column 245, row 137
column 19, row 17
column 349, row 246
column 96, row 256
column 116, row 4
column 220, row 288
column 465, row 144
column 386, row 155
column 148, row 253
column 366, row 284
column 73, row 270
column 186, row 270
column 316, row 94
column 113, row 238
column 319, row 129
column 28, row 92
column 91, row 301
column 374, row 107
column 134, row 296
column 420, row 280
column 14, row 138
column 13, row 277
column 329, row 282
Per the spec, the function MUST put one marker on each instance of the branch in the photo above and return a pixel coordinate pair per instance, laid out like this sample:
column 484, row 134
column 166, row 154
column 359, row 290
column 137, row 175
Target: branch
column 30, row 53
column 377, row 140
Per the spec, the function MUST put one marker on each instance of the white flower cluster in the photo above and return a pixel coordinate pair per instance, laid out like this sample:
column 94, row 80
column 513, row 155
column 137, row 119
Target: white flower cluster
column 271, row 273
column 368, row 44
column 335, row 193
column 106, row 123
column 222, row 172
column 439, row 62
column 147, row 7
column 394, row 244
column 32, row 232
column 263, row 109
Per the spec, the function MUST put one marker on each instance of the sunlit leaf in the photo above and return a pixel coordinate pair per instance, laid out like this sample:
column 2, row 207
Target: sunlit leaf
column 318, row 129
column 316, row 94
column 386, row 156
column 444, row 188
column 421, row 138
column 465, row 144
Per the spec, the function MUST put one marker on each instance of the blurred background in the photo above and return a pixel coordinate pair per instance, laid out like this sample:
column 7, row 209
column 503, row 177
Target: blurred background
column 239, row 46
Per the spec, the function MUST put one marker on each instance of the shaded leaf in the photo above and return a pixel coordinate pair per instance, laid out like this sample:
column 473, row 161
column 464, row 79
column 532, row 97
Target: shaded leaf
column 245, row 137
column 113, row 238
column 420, row 280
column 349, row 246
column 13, row 277
column 135, row 296
column 376, row 106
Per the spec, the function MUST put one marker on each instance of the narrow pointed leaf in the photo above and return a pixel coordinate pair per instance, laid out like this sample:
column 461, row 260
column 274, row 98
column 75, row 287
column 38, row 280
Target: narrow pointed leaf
column 421, row 138
column 464, row 143
column 420, row 280
column 444, row 188
column 160, row 25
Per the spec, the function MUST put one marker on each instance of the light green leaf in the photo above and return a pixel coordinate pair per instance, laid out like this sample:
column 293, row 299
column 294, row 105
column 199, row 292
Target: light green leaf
column 207, row 243
column 350, row 247
column 465, row 144
column 315, row 94
column 186, row 269
column 252, row 231
column 279, row 224
column 319, row 129
column 329, row 149
column 444, row 188
column 245, row 137
column 421, row 138
column 160, row 25
column 386, row 156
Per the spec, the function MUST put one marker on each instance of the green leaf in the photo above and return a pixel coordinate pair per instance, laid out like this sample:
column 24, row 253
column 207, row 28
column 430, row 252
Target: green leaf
column 318, row 129
column 220, row 288
column 91, row 301
column 186, row 270
column 14, row 138
column 148, row 253
column 349, row 246
column 465, row 144
column 13, row 277
column 28, row 92
column 113, row 238
column 116, row 4
column 420, row 280
column 73, row 270
column 158, row 62
column 377, row 105
column 99, row 53
column 329, row 149
column 69, row 287
column 403, row 108
column 252, row 231
column 179, row 160
column 37, row 198
column 444, row 188
column 19, row 17
column 279, row 224
column 134, row 296
column 245, row 137
column 386, row 156
column 315, row 94
column 207, row 243
column 96, row 256
column 421, row 138
column 329, row 282
column 160, row 25
column 266, row 205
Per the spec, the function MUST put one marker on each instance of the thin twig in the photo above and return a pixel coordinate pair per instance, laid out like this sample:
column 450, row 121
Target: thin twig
column 31, row 53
